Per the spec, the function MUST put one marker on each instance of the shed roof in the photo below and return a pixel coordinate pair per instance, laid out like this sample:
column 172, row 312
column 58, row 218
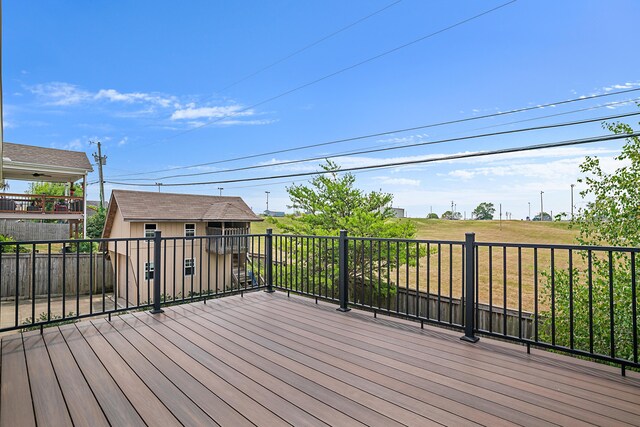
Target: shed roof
column 138, row 206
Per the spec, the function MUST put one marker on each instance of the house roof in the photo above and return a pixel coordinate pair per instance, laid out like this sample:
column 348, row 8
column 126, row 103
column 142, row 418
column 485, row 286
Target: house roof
column 30, row 162
column 139, row 206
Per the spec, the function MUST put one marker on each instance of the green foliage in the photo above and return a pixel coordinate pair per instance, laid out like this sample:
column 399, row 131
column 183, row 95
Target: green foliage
column 95, row 224
column 331, row 203
column 10, row 248
column 484, row 211
column 432, row 216
column 545, row 217
column 52, row 189
column 42, row 317
column 452, row 215
column 85, row 247
column 611, row 218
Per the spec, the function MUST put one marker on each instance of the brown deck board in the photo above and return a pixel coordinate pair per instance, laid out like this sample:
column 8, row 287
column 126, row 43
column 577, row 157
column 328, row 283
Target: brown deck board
column 399, row 395
column 258, row 384
column 48, row 402
column 81, row 402
column 113, row 402
column 443, row 397
column 454, row 375
column 268, row 360
column 16, row 408
column 216, row 408
column 179, row 404
column 193, row 360
column 345, row 397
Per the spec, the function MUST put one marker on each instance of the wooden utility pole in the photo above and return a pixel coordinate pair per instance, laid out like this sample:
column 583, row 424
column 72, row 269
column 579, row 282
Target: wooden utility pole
column 100, row 161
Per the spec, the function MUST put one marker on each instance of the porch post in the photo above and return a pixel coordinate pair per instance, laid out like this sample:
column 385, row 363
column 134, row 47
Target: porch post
column 84, row 206
column 157, row 259
column 268, row 259
column 343, row 271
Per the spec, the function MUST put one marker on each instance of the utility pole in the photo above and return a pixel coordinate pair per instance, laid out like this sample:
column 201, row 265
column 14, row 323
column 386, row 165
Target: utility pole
column 541, row 207
column 529, row 211
column 220, row 190
column 572, row 185
column 158, row 184
column 100, row 161
column 451, row 217
column 500, row 216
column 267, row 192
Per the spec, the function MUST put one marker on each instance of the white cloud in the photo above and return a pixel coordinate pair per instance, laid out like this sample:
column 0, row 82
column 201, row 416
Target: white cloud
column 123, row 141
column 115, row 96
column 385, row 180
column 191, row 112
column 59, row 93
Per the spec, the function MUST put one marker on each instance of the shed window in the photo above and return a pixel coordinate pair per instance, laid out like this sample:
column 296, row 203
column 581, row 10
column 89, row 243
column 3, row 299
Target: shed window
column 150, row 230
column 189, row 267
column 189, row 230
column 148, row 271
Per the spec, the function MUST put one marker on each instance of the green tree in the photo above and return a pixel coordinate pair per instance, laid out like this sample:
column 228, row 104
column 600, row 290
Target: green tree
column 451, row 215
column 484, row 211
column 52, row 189
column 95, row 224
column 331, row 203
column 432, row 216
column 611, row 218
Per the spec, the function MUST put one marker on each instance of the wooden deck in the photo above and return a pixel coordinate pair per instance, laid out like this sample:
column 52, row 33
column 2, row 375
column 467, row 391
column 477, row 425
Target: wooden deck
column 268, row 360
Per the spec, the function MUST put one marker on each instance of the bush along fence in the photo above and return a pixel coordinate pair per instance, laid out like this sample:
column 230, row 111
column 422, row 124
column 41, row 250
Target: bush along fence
column 581, row 300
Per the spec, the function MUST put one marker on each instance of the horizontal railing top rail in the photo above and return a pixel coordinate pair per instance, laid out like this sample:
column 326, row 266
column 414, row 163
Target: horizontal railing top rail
column 578, row 247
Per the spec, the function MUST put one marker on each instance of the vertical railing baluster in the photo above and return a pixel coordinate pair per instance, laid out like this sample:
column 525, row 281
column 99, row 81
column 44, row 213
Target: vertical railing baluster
column 49, row 282
column 504, row 291
column 268, row 241
column 451, row 283
column 519, row 292
column 469, row 317
column 343, row 271
column 64, row 280
column 157, row 259
column 428, row 313
column 491, row 288
column 590, row 270
column 611, row 308
column 553, row 298
column 571, row 299
column 439, row 281
column 634, row 308
column 535, row 294
column 33, row 284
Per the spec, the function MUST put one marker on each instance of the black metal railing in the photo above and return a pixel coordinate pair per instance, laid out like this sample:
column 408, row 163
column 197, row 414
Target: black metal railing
column 44, row 282
column 581, row 300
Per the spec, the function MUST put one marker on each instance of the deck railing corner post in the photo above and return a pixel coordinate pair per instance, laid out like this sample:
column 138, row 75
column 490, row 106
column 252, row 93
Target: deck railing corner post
column 268, row 254
column 343, row 272
column 157, row 271
column 469, row 288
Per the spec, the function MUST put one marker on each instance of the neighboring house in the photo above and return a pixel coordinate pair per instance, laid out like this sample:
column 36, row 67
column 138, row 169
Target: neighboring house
column 398, row 212
column 190, row 262
column 32, row 163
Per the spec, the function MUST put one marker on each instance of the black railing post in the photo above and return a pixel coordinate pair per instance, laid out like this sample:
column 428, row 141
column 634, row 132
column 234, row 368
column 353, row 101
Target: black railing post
column 343, row 271
column 470, row 288
column 268, row 259
column 157, row 259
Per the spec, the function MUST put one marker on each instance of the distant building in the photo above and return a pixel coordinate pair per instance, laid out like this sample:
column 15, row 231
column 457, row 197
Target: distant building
column 398, row 212
column 273, row 213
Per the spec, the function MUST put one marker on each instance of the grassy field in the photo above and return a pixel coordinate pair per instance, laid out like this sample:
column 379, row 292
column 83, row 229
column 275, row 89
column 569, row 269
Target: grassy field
column 518, row 275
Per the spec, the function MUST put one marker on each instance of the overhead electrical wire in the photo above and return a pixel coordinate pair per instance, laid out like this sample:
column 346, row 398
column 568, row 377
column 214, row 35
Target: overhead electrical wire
column 390, row 132
column 392, row 148
column 565, row 143
column 308, row 46
column 335, row 73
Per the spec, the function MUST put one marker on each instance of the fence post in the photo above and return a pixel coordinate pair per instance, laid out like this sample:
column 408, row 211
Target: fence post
column 268, row 259
column 470, row 288
column 343, row 272
column 157, row 259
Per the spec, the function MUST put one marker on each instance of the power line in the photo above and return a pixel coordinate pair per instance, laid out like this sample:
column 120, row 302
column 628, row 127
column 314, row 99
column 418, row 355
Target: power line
column 395, row 147
column 390, row 132
column 309, row 46
column 407, row 162
column 335, row 73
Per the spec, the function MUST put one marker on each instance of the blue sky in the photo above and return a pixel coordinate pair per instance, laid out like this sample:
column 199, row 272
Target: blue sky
column 161, row 85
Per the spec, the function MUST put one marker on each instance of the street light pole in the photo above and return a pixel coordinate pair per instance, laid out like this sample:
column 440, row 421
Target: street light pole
column 529, row 211
column 220, row 190
column 267, row 192
column 572, row 185
column 541, row 207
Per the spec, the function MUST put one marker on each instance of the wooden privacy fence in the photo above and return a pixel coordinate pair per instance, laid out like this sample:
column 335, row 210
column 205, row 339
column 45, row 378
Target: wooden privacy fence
column 451, row 311
column 33, row 273
column 27, row 231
